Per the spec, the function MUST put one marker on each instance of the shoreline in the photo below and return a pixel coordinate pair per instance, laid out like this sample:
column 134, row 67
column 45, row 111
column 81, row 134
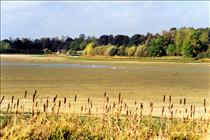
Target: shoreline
column 102, row 59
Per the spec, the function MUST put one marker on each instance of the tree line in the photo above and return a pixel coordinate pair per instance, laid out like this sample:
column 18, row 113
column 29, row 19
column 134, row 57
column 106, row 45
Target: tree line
column 186, row 42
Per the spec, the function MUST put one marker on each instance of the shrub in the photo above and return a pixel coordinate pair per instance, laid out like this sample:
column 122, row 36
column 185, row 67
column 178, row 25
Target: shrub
column 121, row 51
column 99, row 50
column 155, row 47
column 171, row 50
column 111, row 51
column 187, row 50
column 4, row 47
column 88, row 49
column 141, row 51
column 47, row 51
column 131, row 51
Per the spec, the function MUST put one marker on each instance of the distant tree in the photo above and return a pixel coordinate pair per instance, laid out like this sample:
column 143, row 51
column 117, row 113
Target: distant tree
column 104, row 40
column 4, row 47
column 135, row 39
column 171, row 50
column 141, row 51
column 121, row 51
column 155, row 48
column 120, row 40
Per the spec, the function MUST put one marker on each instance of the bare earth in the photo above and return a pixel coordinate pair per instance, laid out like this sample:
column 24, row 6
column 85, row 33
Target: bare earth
column 140, row 81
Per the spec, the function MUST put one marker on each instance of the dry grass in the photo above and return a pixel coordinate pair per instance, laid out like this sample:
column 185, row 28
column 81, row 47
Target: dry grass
column 64, row 119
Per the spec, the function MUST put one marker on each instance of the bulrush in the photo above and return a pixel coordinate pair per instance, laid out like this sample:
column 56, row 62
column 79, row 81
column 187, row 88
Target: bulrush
column 104, row 94
column 142, row 107
column 18, row 102
column 8, row 106
column 59, row 105
column 34, row 95
column 172, row 106
column 151, row 107
column 170, row 99
column 69, row 105
column 180, row 101
column 164, row 98
column 36, row 105
column 2, row 99
column 88, row 99
column 184, row 101
column 64, row 100
column 119, row 97
column 54, row 99
column 25, row 96
column 75, row 98
column 114, row 105
column 204, row 102
column 162, row 113
column 44, row 107
column 47, row 103
column 91, row 105
column 82, row 108
column 12, row 99
column 107, row 99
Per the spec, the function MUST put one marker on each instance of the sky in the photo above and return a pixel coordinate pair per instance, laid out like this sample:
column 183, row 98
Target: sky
column 39, row 19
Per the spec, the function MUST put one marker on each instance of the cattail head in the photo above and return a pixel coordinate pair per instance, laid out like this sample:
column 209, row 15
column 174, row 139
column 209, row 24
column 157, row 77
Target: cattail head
column 54, row 99
column 170, row 99
column 47, row 102
column 25, row 94
column 44, row 107
column 114, row 105
column 127, row 112
column 36, row 105
column 135, row 103
column 64, row 100
column 81, row 108
column 107, row 99
column 8, row 106
column 163, row 110
column 104, row 94
column 172, row 106
column 184, row 101
column 59, row 105
column 119, row 97
column 164, row 98
column 69, row 105
column 204, row 102
column 91, row 105
column 75, row 98
column 180, row 101
column 12, row 99
column 2, row 99
column 88, row 99
column 18, row 101
column 142, row 106
column 151, row 104
column 34, row 96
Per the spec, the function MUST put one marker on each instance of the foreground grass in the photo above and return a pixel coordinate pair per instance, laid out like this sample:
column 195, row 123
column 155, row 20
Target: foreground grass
column 115, row 126
column 57, row 119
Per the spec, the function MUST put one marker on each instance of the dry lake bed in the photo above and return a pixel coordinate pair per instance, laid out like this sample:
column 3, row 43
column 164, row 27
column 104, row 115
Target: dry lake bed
column 141, row 82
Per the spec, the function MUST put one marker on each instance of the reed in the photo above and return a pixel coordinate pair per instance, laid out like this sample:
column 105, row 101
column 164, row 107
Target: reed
column 118, row 119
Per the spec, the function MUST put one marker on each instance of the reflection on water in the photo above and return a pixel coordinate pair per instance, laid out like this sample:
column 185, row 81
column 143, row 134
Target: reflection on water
column 55, row 65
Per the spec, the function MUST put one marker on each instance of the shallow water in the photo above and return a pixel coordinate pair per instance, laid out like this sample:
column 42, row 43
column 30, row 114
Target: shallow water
column 55, row 65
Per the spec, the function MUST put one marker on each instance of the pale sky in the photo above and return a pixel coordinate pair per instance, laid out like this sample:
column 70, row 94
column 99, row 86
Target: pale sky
column 50, row 19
